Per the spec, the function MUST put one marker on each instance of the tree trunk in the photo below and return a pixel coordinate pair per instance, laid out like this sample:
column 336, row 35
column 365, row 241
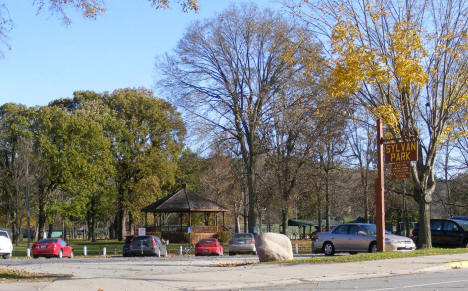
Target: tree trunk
column 284, row 220
column 319, row 213
column 51, row 229
column 424, row 233
column 327, row 202
column 252, row 199
column 42, row 213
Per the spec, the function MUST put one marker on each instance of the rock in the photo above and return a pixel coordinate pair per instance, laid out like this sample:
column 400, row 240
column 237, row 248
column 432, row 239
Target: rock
column 273, row 247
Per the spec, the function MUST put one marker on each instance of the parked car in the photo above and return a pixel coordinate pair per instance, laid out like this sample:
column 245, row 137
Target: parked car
column 208, row 246
column 147, row 245
column 447, row 233
column 357, row 237
column 459, row 217
column 6, row 247
column 126, row 251
column 242, row 243
column 51, row 247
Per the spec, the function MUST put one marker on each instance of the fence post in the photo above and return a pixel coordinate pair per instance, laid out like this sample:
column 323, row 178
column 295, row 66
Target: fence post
column 180, row 250
column 297, row 249
column 85, row 251
column 104, row 251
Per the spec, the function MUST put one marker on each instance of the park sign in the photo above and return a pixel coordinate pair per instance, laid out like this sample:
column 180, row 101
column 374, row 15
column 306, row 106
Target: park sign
column 400, row 152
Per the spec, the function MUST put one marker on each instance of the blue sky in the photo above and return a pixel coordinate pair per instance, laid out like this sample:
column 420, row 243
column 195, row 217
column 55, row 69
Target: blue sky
column 49, row 60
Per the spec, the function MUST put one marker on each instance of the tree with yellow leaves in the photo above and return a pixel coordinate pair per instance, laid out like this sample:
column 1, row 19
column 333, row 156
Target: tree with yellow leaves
column 406, row 62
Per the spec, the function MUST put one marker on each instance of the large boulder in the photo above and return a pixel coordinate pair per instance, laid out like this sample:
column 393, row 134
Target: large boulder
column 273, row 247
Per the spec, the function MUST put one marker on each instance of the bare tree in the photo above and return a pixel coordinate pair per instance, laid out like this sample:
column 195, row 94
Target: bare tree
column 226, row 72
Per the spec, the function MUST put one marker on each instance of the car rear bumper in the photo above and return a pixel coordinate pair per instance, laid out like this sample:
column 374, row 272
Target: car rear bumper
column 144, row 252
column 44, row 252
column 242, row 248
column 207, row 250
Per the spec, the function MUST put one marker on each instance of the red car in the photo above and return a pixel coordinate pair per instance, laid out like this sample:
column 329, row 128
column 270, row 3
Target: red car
column 51, row 247
column 208, row 246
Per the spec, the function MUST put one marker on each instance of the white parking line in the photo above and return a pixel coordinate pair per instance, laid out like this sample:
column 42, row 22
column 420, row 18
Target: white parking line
column 414, row 286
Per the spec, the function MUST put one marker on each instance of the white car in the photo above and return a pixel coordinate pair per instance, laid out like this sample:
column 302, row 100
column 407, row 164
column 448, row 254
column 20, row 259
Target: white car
column 6, row 247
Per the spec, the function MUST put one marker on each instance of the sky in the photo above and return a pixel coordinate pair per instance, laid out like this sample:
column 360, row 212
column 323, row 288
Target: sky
column 50, row 60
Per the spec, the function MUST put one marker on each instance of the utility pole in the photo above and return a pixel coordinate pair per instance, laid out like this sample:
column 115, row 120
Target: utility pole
column 379, row 191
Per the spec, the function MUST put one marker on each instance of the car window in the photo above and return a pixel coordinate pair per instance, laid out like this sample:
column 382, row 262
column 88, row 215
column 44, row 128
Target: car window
column 353, row 229
column 242, row 236
column 342, row 229
column 62, row 243
column 450, row 226
column 140, row 238
column 370, row 229
column 207, row 240
column 47, row 240
column 436, row 225
column 463, row 224
column 4, row 234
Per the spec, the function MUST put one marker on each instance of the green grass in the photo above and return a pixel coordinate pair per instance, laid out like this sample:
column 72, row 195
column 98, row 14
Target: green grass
column 378, row 256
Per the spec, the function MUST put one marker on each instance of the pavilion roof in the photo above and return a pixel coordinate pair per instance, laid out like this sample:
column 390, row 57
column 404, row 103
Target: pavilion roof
column 184, row 200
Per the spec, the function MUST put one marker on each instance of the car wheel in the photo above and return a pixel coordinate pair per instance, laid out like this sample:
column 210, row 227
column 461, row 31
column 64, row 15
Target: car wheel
column 231, row 253
column 35, row 257
column 353, row 253
column 6, row 256
column 254, row 253
column 72, row 255
column 60, row 254
column 328, row 249
column 373, row 247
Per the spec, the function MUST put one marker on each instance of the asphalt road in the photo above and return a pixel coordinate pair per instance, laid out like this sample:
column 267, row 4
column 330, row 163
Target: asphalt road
column 434, row 281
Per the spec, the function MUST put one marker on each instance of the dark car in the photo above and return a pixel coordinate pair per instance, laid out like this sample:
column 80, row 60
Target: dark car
column 447, row 233
column 147, row 245
column 126, row 246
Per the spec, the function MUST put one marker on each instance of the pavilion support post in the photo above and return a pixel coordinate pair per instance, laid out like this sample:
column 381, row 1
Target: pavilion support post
column 216, row 219
column 223, row 220
column 190, row 218
column 146, row 219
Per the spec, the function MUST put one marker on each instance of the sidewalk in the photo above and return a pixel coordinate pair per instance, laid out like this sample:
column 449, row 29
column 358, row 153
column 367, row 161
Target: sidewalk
column 148, row 276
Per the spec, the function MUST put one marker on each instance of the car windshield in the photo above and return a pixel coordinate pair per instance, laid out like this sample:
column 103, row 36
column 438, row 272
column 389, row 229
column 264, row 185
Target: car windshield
column 207, row 240
column 47, row 240
column 463, row 224
column 242, row 236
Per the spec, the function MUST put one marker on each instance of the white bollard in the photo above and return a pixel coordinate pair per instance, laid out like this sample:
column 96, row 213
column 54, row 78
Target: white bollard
column 28, row 252
column 297, row 249
column 104, row 251
column 180, row 250
column 85, row 251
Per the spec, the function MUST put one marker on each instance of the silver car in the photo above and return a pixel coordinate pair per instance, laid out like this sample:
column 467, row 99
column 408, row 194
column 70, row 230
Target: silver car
column 242, row 243
column 357, row 237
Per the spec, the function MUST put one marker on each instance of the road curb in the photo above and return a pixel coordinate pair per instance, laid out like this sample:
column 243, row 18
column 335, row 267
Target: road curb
column 458, row 264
